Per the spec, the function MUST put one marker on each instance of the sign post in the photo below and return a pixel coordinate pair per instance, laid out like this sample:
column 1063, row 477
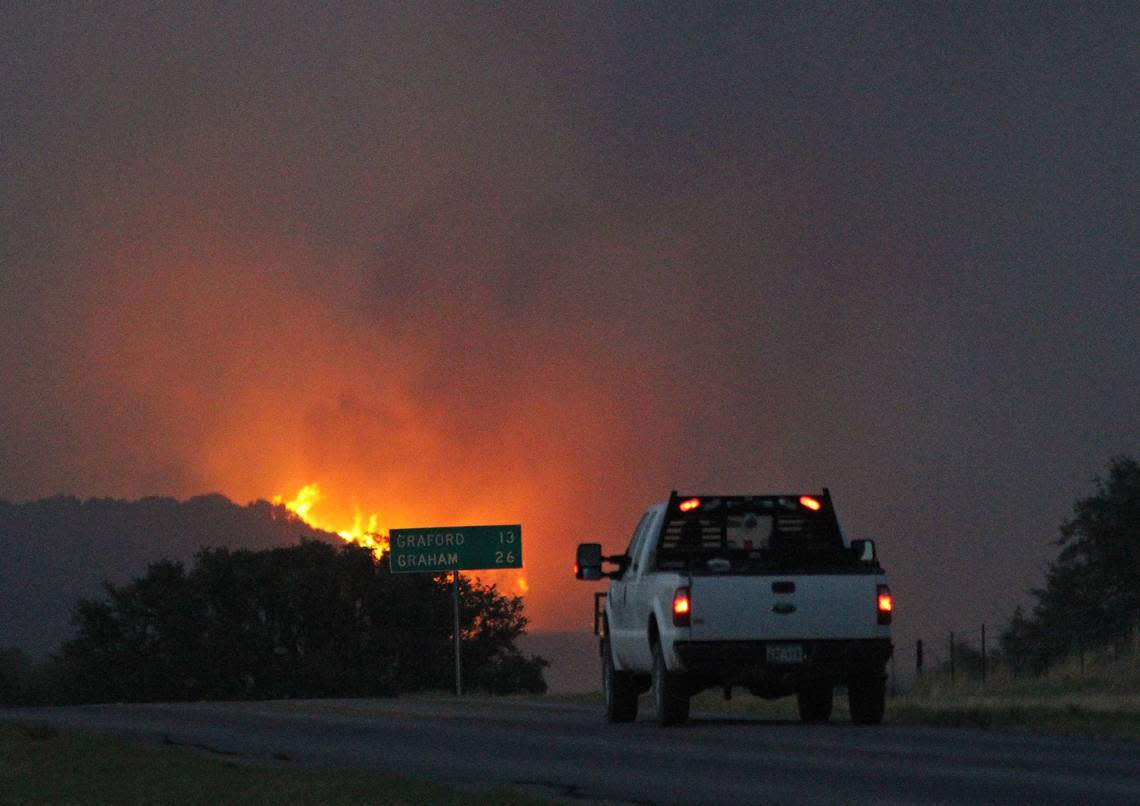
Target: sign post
column 458, row 655
column 442, row 549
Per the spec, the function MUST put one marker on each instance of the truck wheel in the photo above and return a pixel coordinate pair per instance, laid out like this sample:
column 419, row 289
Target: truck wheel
column 619, row 689
column 814, row 701
column 868, row 699
column 670, row 692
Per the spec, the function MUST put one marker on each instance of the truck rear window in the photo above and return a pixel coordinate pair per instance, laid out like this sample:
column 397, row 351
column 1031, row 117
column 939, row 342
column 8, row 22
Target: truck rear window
column 751, row 534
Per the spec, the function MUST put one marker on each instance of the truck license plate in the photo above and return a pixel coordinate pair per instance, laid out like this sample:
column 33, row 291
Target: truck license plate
column 785, row 653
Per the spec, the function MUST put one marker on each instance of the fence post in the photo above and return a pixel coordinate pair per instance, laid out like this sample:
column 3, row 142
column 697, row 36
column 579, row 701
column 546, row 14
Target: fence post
column 918, row 658
column 951, row 656
column 983, row 653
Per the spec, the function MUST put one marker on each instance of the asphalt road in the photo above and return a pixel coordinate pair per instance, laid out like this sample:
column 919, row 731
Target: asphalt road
column 566, row 751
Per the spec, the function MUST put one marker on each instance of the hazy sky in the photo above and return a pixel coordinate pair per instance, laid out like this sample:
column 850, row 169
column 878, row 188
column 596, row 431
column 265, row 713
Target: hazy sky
column 546, row 262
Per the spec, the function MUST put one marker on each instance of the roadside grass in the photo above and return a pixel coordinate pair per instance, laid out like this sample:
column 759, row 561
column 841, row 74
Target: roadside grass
column 40, row 765
column 1100, row 699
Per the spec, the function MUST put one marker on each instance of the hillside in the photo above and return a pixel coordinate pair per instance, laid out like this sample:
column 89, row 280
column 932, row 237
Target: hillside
column 56, row 550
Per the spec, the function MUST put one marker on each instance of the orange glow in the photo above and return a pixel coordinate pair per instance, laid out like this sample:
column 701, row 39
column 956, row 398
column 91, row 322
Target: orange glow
column 886, row 604
column 382, row 415
column 692, row 503
column 681, row 604
column 810, row 503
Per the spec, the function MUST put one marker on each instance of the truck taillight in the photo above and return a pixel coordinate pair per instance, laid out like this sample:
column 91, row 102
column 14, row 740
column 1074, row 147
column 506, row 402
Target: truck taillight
column 682, row 608
column 886, row 604
column 810, row 503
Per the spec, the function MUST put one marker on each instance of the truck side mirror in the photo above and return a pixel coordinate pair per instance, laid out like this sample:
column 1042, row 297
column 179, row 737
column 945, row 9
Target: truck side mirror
column 864, row 550
column 589, row 563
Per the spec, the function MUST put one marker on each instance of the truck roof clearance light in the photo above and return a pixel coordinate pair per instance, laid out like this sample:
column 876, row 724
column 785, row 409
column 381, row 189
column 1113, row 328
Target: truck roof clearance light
column 886, row 604
column 810, row 503
column 691, row 504
column 682, row 608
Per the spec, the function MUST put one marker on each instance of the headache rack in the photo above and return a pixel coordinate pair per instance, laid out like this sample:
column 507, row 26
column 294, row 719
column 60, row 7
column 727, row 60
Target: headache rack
column 795, row 527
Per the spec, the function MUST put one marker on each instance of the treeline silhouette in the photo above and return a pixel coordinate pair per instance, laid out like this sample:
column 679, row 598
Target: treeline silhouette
column 311, row 620
column 57, row 550
column 1091, row 597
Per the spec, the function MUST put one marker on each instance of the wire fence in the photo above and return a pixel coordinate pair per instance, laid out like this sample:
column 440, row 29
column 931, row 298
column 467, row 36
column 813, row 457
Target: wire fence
column 977, row 655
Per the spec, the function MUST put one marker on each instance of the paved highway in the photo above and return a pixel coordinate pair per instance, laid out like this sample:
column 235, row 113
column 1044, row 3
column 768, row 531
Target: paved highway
column 566, row 751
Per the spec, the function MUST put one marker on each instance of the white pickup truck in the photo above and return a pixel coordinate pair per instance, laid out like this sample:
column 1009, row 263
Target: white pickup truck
column 759, row 592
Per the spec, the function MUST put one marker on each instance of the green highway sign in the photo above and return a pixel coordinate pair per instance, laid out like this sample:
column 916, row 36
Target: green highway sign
column 455, row 548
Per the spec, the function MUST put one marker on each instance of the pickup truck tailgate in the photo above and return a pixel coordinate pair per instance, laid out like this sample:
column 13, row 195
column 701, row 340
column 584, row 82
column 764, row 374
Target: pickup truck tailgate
column 749, row 607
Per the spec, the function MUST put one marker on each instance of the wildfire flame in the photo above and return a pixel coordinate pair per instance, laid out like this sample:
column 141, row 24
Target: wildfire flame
column 365, row 531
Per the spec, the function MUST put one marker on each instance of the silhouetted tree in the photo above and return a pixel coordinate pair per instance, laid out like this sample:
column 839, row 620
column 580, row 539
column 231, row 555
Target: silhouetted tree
column 311, row 620
column 1091, row 595
column 1023, row 645
column 491, row 623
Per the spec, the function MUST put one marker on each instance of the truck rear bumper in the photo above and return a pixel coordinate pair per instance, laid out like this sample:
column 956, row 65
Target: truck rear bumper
column 746, row 662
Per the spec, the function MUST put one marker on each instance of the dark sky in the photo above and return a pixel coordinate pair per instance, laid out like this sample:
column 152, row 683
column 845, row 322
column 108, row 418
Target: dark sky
column 544, row 263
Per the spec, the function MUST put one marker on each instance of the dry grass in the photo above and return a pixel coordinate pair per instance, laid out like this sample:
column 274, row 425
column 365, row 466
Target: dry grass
column 1098, row 697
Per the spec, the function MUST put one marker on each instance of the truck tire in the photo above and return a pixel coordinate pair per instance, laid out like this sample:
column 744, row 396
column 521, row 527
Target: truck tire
column 670, row 691
column 867, row 697
column 619, row 689
column 814, row 701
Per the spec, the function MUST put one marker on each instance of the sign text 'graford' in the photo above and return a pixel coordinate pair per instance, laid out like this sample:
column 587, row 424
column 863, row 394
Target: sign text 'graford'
column 455, row 548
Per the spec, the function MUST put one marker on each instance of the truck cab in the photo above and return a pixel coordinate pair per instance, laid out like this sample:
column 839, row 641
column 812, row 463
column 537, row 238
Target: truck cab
column 760, row 592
